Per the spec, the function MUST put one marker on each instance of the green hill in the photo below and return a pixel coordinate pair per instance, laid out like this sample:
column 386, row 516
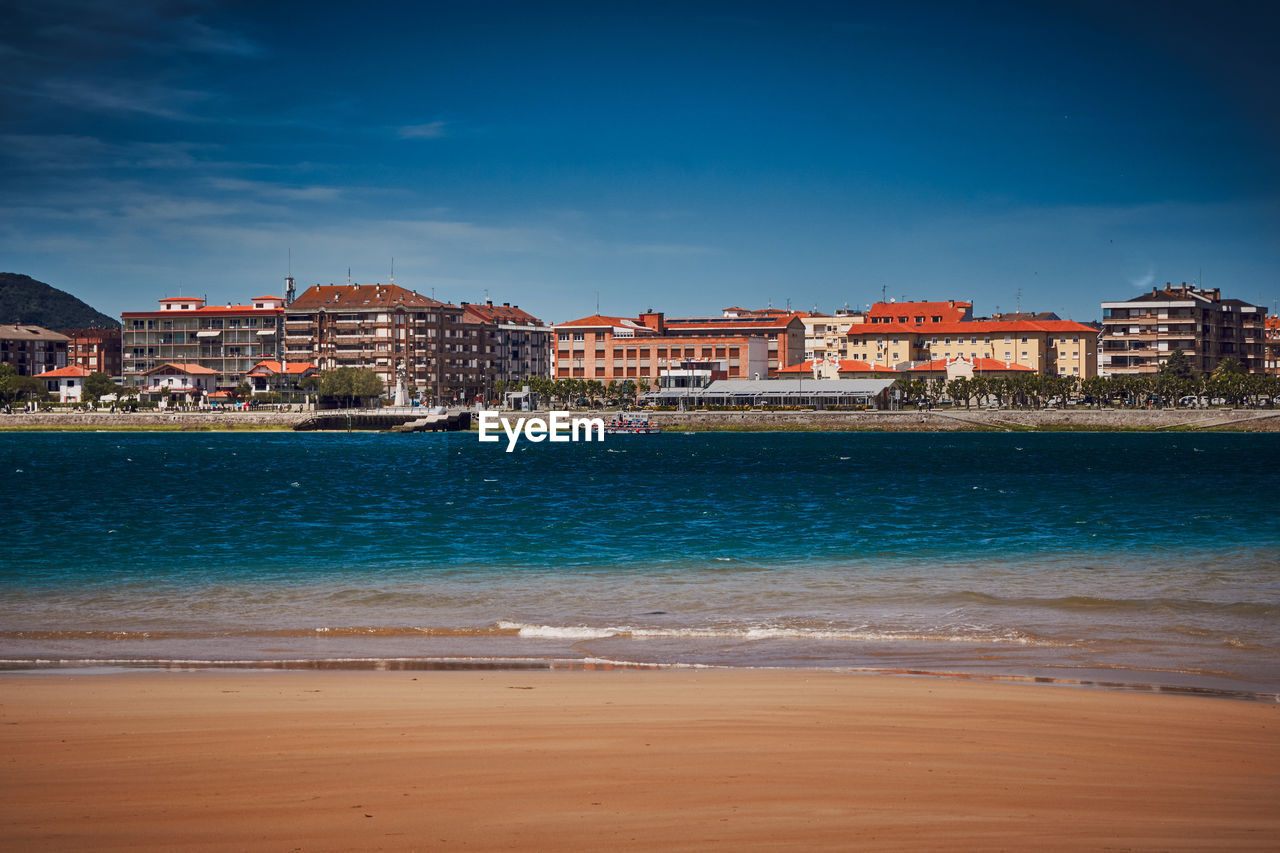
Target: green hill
column 30, row 302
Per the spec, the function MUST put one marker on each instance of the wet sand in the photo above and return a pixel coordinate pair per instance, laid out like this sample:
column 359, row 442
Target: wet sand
column 625, row 760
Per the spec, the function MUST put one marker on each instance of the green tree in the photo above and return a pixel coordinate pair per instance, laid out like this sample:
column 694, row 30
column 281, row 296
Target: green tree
column 1177, row 365
column 15, row 388
column 244, row 391
column 349, row 385
column 97, row 386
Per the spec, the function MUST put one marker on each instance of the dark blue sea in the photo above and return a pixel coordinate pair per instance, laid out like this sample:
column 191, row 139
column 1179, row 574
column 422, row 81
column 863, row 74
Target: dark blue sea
column 1145, row 559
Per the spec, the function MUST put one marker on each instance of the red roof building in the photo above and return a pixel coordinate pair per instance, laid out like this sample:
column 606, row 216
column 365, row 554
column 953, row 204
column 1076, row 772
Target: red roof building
column 228, row 339
column 67, row 382
column 585, row 346
column 1052, row 347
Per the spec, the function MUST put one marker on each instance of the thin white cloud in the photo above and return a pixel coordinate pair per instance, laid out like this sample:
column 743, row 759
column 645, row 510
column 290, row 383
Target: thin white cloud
column 1144, row 281
column 430, row 130
column 123, row 97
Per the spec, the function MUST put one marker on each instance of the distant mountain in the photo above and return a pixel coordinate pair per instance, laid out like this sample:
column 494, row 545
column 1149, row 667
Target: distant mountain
column 30, row 302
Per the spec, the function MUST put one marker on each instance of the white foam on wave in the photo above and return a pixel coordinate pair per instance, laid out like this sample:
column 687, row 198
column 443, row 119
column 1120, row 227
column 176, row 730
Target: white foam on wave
column 559, row 632
column 766, row 632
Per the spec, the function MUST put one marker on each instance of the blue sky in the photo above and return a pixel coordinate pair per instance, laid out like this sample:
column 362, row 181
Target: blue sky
column 680, row 156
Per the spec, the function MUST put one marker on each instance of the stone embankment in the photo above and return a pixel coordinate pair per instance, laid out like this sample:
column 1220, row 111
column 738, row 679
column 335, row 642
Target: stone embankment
column 948, row 420
column 937, row 420
column 218, row 420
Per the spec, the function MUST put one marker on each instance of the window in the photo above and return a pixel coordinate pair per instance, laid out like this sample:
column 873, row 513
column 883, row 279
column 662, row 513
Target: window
column 577, row 336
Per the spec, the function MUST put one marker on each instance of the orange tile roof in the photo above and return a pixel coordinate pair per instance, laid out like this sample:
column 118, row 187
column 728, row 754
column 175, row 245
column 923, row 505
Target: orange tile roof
column 512, row 314
column 71, row 371
column 291, row 368
column 951, row 311
column 971, row 327
column 598, row 320
column 360, row 296
column 190, row 368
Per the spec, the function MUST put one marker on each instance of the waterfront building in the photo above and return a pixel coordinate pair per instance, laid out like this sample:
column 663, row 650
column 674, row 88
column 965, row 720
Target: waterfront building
column 182, row 382
column 603, row 347
column 1051, row 347
column 280, row 378
column 66, row 382
column 523, row 344
column 1272, row 344
column 619, row 348
column 32, row 350
column 784, row 393
column 226, row 339
column 833, row 368
column 782, row 330
column 1138, row 334
column 826, row 335
column 96, row 349
column 399, row 334
column 960, row 367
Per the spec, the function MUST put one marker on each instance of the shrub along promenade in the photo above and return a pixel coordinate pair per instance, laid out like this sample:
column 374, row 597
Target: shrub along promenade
column 909, row 420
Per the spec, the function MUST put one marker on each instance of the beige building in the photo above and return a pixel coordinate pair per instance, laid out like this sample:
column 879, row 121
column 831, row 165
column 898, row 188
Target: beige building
column 1138, row 334
column 1051, row 347
column 826, row 335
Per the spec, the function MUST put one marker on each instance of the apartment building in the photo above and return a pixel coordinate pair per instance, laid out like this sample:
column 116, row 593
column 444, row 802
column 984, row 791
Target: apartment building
column 1138, row 334
column 1272, row 344
column 31, row 350
column 226, row 339
column 395, row 332
column 783, row 331
column 825, row 335
column 1051, row 347
column 523, row 344
column 98, row 350
column 907, row 313
column 619, row 348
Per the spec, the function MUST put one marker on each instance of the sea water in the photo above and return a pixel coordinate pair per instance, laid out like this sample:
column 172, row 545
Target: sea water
column 1122, row 558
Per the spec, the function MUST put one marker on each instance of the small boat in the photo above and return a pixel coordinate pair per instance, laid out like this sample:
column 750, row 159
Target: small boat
column 631, row 426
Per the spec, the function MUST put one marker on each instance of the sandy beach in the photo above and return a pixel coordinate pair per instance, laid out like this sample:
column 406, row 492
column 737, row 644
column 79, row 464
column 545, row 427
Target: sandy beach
column 625, row 760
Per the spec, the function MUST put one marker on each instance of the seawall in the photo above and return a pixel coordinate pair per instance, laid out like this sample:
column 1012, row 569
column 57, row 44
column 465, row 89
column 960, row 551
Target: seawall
column 948, row 420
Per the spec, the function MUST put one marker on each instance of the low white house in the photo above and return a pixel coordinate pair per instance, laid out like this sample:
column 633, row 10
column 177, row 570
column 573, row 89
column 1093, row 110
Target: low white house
column 67, row 382
column 186, row 381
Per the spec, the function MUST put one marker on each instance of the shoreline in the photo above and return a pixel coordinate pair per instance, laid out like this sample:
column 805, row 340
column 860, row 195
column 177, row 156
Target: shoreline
column 107, row 667
column 934, row 420
column 625, row 760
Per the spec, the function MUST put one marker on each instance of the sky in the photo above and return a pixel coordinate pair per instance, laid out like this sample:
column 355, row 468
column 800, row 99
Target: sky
column 682, row 157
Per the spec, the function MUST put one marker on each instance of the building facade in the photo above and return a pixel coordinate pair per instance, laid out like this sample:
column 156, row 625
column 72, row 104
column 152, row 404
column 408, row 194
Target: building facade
column 1139, row 334
column 229, row 340
column 66, row 383
column 1051, row 347
column 523, row 344
column 397, row 333
column 826, row 335
column 32, row 349
column 98, row 350
column 619, row 348
column 1272, row 345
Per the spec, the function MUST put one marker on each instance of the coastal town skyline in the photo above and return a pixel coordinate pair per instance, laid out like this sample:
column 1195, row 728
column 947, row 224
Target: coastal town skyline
column 564, row 158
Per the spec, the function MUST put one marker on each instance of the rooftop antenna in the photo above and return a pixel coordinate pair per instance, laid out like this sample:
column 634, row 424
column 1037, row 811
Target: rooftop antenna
column 884, row 289
column 348, row 276
column 393, row 270
column 1018, row 305
column 597, row 303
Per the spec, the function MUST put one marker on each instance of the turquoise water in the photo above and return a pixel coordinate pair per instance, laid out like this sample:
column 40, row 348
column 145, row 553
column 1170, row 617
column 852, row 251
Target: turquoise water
column 1145, row 558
